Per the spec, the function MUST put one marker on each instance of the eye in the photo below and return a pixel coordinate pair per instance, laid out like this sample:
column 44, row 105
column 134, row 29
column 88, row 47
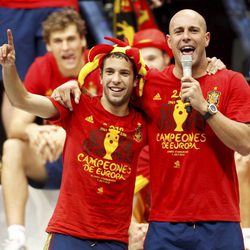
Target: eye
column 109, row 71
column 194, row 30
column 124, row 73
column 178, row 31
column 57, row 41
column 71, row 39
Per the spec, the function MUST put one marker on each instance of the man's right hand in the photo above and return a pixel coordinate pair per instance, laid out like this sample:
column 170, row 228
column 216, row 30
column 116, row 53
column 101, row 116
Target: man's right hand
column 63, row 93
column 7, row 51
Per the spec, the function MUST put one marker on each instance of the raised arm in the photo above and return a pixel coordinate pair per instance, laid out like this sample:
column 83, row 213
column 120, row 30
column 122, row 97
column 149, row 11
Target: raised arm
column 17, row 94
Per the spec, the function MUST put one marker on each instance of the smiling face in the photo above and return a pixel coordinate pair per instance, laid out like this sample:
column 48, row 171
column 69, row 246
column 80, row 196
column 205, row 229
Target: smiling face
column 67, row 47
column 118, row 81
column 188, row 36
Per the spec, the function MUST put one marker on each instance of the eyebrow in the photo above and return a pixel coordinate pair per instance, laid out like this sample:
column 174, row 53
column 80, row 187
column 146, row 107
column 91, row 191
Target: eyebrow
column 190, row 27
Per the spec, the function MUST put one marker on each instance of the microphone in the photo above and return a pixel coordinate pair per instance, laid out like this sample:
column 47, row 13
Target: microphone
column 186, row 62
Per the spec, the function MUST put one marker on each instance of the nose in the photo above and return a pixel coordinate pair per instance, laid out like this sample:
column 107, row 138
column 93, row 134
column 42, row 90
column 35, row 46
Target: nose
column 65, row 45
column 116, row 78
column 186, row 35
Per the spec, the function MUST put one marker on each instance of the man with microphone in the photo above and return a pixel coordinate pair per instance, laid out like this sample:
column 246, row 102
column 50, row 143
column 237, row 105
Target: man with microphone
column 195, row 197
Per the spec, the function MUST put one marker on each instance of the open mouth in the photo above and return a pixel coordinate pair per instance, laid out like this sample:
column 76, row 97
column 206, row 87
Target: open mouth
column 68, row 58
column 116, row 89
column 187, row 50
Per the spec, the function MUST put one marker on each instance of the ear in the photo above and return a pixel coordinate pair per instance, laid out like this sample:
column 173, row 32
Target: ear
column 84, row 42
column 48, row 47
column 168, row 38
column 166, row 59
column 207, row 37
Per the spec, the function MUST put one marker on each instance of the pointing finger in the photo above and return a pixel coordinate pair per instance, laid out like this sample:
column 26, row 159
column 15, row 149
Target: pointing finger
column 10, row 37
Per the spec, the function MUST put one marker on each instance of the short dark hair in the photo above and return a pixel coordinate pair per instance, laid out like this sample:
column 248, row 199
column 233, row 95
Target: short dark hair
column 120, row 55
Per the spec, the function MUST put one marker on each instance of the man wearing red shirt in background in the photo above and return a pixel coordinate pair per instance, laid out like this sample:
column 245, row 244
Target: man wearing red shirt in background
column 24, row 18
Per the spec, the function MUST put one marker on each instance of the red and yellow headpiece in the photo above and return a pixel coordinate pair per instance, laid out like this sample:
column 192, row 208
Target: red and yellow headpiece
column 98, row 52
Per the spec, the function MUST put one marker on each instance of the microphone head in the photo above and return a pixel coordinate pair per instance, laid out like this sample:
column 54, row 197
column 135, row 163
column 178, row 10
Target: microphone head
column 186, row 62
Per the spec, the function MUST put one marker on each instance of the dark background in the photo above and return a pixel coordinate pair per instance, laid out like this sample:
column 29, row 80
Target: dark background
column 225, row 43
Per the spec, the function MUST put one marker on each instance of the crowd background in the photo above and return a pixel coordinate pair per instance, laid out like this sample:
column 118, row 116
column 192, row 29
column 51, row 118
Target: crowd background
column 227, row 20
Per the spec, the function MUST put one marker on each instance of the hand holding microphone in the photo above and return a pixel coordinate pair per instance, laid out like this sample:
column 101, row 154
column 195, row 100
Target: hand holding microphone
column 186, row 62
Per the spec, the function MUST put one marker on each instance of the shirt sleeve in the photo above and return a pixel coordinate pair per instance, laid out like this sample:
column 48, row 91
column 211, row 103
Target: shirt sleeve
column 64, row 114
column 33, row 78
column 239, row 100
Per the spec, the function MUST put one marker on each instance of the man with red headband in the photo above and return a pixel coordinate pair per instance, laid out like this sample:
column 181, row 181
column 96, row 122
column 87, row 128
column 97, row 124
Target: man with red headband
column 104, row 138
column 154, row 49
column 32, row 154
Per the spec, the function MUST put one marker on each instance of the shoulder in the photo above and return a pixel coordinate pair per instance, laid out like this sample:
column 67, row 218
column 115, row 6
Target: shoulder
column 42, row 66
column 87, row 99
column 46, row 60
column 229, row 73
column 231, row 76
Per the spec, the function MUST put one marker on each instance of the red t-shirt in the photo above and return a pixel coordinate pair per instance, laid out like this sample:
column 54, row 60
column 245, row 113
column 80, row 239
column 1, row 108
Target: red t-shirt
column 44, row 76
column 143, row 163
column 30, row 4
column 100, row 158
column 192, row 173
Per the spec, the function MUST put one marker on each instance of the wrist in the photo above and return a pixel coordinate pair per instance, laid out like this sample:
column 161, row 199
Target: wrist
column 211, row 111
column 204, row 108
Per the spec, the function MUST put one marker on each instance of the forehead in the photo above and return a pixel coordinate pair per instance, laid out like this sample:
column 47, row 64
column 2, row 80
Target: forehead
column 117, row 63
column 151, row 51
column 186, row 19
column 71, row 30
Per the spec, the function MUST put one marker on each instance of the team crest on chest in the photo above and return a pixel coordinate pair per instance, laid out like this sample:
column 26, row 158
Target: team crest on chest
column 138, row 133
column 213, row 97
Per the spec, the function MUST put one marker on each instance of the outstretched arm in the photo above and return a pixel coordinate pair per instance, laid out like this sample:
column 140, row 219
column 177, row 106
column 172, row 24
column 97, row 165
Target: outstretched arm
column 62, row 94
column 17, row 94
